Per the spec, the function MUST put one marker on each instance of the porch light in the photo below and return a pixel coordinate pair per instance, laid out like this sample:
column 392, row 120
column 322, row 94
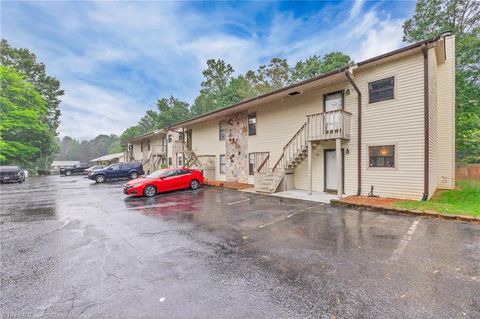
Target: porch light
column 347, row 92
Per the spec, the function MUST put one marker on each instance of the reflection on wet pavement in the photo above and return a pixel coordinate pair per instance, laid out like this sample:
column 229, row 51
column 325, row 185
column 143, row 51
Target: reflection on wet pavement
column 72, row 248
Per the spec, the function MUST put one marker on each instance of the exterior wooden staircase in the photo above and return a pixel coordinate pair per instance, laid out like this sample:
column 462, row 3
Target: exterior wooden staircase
column 294, row 152
column 191, row 159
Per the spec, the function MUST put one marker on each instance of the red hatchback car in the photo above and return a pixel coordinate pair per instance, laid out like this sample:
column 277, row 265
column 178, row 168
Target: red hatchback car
column 164, row 180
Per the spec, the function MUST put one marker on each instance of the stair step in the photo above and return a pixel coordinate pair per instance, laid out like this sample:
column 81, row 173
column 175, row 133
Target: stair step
column 263, row 190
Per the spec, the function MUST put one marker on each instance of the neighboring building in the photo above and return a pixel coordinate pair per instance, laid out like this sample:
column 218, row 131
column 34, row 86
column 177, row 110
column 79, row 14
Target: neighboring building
column 108, row 159
column 150, row 149
column 387, row 123
column 56, row 165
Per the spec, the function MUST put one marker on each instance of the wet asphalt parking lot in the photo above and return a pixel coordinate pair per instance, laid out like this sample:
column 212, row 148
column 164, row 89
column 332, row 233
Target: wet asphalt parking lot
column 74, row 249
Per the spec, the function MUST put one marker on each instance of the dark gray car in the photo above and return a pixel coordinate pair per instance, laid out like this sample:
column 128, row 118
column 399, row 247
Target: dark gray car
column 11, row 174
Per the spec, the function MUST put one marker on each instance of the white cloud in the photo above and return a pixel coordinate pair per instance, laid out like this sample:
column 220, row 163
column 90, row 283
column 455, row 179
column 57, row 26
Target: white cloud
column 89, row 111
column 356, row 8
column 115, row 58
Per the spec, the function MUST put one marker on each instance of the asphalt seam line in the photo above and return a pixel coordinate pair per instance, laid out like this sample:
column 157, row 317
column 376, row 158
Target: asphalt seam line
column 239, row 201
column 285, row 217
column 404, row 242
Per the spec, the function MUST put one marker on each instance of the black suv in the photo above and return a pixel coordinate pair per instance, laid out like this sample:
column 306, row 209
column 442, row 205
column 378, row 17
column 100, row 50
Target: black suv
column 119, row 170
column 11, row 174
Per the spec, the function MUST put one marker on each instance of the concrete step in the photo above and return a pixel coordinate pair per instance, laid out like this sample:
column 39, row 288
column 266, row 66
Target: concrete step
column 263, row 190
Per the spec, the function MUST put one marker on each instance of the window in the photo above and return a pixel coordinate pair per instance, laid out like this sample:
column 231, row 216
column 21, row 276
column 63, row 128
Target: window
column 333, row 101
column 222, row 164
column 141, row 146
column 169, row 138
column 180, row 159
column 115, row 167
column 251, row 163
column 169, row 161
column 148, row 145
column 221, row 130
column 380, row 90
column 381, row 156
column 252, row 124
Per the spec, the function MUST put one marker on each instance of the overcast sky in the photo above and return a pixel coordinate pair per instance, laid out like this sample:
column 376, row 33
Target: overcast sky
column 114, row 59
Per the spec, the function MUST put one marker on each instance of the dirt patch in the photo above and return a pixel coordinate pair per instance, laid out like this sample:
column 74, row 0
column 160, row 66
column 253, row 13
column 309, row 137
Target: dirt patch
column 229, row 185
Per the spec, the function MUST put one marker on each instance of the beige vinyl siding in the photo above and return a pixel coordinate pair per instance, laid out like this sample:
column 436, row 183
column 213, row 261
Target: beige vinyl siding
column 278, row 122
column 205, row 142
column 432, row 118
column 301, row 177
column 446, row 118
column 398, row 122
column 137, row 153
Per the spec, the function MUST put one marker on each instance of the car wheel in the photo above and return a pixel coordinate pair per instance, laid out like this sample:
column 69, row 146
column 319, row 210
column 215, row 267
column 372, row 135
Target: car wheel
column 194, row 184
column 68, row 173
column 100, row 179
column 150, row 191
column 133, row 175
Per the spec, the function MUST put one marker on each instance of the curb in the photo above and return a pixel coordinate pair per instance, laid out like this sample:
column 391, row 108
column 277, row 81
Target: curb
column 394, row 210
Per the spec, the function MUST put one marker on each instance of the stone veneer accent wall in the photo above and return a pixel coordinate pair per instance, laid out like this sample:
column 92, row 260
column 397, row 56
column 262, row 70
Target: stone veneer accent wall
column 236, row 148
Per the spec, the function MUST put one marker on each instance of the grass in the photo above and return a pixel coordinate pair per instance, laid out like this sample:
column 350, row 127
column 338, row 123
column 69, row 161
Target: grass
column 464, row 200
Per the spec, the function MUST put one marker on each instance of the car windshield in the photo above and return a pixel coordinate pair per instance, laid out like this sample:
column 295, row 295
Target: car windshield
column 161, row 173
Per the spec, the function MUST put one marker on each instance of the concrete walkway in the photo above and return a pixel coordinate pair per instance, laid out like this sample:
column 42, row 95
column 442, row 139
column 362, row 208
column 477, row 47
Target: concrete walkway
column 302, row 194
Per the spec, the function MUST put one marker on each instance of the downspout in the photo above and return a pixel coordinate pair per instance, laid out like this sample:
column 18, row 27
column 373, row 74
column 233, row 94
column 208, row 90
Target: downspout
column 359, row 132
column 426, row 153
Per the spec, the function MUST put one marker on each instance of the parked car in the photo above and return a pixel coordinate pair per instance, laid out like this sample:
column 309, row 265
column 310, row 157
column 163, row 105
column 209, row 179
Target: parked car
column 67, row 171
column 119, row 170
column 11, row 174
column 164, row 180
column 92, row 169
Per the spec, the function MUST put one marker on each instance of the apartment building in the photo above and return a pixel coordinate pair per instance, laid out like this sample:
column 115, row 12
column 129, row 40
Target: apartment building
column 384, row 126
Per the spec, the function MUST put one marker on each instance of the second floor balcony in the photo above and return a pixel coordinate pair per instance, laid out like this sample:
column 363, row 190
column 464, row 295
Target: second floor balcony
column 328, row 125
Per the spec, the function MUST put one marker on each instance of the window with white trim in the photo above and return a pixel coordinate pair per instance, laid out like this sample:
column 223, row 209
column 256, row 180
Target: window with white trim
column 251, row 163
column 221, row 130
column 222, row 164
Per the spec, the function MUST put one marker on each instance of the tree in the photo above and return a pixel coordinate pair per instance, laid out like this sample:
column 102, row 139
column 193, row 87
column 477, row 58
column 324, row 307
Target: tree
column 315, row 65
column 24, row 136
column 269, row 77
column 25, row 63
column 462, row 17
column 84, row 151
column 213, row 91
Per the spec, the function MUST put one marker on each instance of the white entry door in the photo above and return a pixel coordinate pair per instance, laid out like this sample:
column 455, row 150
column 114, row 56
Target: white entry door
column 331, row 170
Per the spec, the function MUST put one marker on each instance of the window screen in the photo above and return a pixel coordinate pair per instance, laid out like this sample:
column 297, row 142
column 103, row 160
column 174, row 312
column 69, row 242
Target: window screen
column 252, row 124
column 381, row 90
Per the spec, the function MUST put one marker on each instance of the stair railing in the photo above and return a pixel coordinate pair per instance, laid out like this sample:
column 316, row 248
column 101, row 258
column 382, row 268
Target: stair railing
column 290, row 151
column 261, row 166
